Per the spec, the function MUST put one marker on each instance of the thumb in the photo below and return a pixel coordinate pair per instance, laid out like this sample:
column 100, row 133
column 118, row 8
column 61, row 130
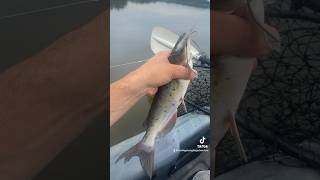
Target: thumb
column 181, row 72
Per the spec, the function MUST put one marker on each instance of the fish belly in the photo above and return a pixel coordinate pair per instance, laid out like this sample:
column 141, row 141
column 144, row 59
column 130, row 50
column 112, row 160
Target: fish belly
column 231, row 75
column 163, row 111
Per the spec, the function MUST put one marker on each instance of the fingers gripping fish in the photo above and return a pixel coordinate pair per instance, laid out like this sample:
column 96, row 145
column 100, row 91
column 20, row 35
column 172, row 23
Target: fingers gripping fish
column 163, row 112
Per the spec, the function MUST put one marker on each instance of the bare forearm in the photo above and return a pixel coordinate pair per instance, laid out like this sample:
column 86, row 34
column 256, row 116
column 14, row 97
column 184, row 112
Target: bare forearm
column 123, row 95
column 41, row 99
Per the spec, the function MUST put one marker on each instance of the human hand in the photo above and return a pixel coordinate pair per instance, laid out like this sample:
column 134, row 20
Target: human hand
column 158, row 71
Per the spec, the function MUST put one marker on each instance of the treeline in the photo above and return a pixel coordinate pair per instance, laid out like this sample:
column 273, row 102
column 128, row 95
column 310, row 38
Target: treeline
column 119, row 4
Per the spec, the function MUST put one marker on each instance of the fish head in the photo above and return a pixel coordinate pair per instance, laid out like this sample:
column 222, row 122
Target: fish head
column 181, row 52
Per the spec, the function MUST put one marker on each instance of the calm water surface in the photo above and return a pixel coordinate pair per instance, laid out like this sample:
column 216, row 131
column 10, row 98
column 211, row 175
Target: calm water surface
column 131, row 24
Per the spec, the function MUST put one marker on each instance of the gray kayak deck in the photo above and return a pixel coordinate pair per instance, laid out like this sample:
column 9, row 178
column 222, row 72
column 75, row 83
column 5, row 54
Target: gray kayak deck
column 187, row 130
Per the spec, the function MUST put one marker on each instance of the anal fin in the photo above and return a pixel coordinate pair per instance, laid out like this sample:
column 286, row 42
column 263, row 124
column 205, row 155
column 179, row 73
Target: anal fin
column 235, row 133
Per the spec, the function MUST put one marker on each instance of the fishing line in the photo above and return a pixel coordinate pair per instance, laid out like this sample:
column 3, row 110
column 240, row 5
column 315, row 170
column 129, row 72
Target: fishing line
column 129, row 63
column 47, row 9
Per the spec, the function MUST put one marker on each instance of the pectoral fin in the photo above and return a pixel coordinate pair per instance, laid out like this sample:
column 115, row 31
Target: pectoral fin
column 193, row 70
column 235, row 133
column 273, row 38
column 190, row 68
column 184, row 106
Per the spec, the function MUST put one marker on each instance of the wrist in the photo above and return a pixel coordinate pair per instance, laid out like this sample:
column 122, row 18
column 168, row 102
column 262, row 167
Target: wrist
column 134, row 83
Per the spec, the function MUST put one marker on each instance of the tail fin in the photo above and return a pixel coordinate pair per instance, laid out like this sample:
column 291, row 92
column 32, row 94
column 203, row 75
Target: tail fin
column 145, row 154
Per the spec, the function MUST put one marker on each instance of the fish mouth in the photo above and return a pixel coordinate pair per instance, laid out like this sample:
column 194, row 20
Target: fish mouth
column 180, row 53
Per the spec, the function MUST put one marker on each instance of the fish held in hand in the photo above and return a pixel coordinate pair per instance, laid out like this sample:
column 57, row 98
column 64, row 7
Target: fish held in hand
column 163, row 112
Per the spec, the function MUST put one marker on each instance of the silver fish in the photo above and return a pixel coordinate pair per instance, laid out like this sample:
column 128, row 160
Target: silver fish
column 163, row 113
column 231, row 75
